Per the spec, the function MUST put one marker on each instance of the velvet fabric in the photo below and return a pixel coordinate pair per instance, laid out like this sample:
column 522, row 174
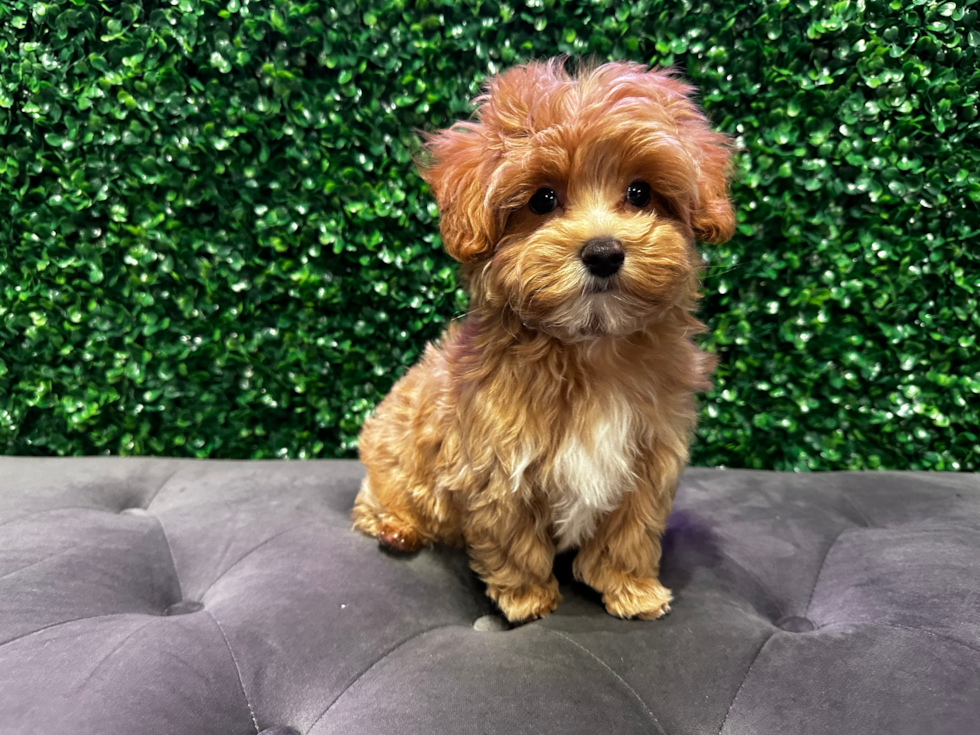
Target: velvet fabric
column 158, row 596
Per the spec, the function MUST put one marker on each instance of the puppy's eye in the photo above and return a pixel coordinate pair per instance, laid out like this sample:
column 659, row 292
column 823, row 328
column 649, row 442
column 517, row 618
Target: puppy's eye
column 543, row 201
column 638, row 194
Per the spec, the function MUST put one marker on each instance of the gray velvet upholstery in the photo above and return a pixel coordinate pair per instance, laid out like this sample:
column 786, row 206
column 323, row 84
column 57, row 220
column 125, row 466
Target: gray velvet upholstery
column 151, row 596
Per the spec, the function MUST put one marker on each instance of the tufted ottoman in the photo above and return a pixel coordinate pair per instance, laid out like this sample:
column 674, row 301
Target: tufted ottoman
column 151, row 596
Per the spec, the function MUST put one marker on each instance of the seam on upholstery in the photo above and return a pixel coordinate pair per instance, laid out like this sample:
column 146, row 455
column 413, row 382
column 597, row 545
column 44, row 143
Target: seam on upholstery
column 897, row 626
column 25, row 516
column 18, row 570
column 159, row 488
column 377, row 661
column 65, row 622
column 238, row 669
column 746, row 678
column 621, row 680
column 806, row 610
column 861, row 515
column 110, row 654
column 754, row 578
column 940, row 527
column 251, row 551
column 173, row 559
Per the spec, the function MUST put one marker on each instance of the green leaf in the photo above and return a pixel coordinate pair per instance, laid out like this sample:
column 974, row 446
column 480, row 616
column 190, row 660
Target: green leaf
column 218, row 244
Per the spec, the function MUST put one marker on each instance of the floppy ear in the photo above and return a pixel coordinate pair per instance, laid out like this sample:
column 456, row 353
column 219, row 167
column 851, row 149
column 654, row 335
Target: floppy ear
column 459, row 170
column 713, row 219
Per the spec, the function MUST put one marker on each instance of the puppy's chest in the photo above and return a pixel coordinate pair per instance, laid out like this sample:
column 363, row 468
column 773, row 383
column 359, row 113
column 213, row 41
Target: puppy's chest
column 592, row 469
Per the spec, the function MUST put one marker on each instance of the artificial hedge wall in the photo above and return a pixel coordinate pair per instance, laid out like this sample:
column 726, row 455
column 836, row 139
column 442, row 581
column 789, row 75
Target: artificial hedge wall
column 213, row 242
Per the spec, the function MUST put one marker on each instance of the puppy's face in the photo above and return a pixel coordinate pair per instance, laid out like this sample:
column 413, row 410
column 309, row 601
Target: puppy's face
column 575, row 202
column 600, row 246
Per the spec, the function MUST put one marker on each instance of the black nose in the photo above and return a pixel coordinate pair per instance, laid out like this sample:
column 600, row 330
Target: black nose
column 603, row 256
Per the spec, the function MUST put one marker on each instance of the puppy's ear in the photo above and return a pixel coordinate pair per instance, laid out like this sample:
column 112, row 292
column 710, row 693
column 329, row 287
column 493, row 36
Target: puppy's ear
column 458, row 169
column 713, row 219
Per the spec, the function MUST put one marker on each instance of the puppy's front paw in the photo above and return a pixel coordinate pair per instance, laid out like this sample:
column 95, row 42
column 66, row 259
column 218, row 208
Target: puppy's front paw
column 527, row 602
column 646, row 599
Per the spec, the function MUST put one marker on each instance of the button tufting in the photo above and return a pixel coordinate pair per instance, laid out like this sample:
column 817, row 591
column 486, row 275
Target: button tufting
column 490, row 624
column 279, row 731
column 795, row 624
column 184, row 607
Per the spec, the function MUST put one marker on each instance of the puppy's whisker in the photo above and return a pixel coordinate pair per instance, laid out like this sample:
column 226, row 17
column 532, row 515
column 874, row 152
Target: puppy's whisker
column 715, row 275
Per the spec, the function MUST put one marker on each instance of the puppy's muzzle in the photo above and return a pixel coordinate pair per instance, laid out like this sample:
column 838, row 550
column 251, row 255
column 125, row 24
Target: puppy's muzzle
column 603, row 256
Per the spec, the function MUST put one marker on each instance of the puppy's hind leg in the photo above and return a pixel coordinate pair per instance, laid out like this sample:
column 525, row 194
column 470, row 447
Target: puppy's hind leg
column 396, row 528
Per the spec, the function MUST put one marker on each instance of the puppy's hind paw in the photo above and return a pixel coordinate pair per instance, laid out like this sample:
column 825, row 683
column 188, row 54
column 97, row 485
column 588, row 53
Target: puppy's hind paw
column 391, row 534
column 399, row 540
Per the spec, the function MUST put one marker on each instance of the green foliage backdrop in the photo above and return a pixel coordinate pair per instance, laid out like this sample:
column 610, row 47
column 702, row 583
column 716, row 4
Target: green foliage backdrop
column 213, row 241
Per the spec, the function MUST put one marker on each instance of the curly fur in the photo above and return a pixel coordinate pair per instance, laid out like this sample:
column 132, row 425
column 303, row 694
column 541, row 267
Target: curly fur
column 558, row 413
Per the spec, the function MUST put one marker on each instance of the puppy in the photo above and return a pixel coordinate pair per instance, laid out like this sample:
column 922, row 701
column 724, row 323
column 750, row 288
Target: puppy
column 557, row 414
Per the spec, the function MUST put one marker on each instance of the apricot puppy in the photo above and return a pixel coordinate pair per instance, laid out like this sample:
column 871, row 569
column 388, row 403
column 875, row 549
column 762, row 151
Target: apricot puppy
column 557, row 414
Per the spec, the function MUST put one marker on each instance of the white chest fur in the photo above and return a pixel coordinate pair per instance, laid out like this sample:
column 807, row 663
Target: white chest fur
column 592, row 471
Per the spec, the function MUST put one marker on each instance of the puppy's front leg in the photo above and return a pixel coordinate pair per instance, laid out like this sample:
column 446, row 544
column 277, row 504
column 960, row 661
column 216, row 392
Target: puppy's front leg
column 511, row 549
column 622, row 559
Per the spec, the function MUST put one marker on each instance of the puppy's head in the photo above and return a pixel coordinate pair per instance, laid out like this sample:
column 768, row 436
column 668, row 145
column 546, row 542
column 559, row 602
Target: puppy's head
column 575, row 201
